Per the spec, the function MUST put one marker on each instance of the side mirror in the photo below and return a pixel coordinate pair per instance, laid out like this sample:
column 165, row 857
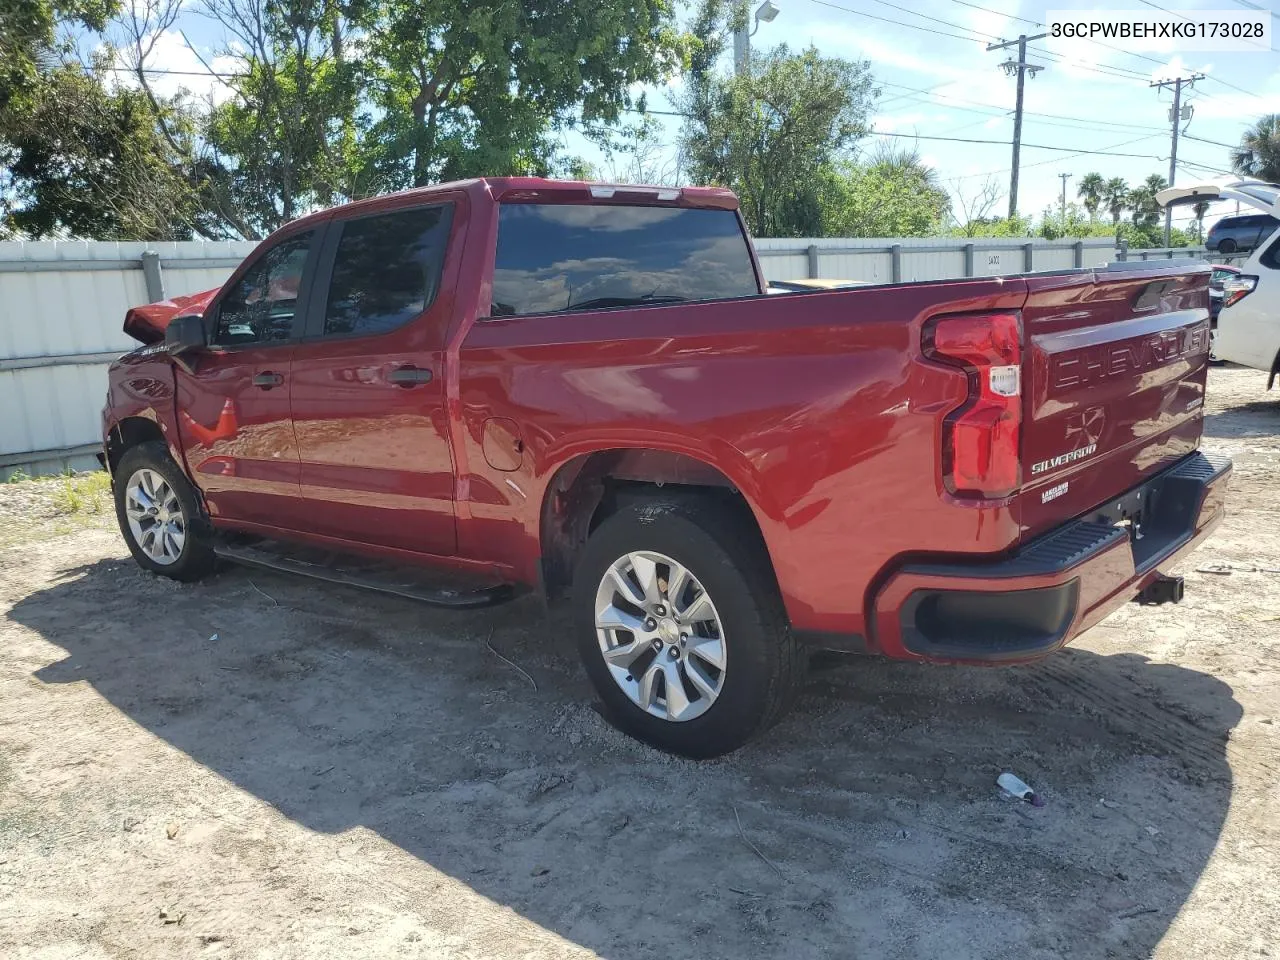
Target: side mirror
column 184, row 333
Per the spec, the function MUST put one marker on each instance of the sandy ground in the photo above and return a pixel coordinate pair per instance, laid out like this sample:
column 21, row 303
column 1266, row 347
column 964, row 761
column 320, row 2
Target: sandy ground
column 343, row 775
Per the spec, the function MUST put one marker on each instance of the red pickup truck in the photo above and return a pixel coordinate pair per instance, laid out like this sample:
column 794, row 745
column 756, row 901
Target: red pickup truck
column 467, row 391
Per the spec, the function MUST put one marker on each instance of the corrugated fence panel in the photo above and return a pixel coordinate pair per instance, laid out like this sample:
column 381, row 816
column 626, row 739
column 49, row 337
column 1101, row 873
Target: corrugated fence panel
column 51, row 408
column 784, row 266
column 1055, row 258
column 931, row 264
column 62, row 303
column 869, row 267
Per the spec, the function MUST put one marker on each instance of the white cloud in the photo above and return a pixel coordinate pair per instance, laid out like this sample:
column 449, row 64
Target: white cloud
column 178, row 69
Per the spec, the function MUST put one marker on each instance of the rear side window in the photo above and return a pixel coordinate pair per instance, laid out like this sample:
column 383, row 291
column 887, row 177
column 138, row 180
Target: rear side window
column 386, row 270
column 559, row 257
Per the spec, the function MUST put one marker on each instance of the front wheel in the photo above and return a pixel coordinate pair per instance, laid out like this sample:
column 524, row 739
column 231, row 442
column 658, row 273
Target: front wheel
column 681, row 628
column 160, row 516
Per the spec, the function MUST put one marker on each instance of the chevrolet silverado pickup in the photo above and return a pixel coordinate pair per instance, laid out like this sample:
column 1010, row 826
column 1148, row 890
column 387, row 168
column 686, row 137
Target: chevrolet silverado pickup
column 470, row 391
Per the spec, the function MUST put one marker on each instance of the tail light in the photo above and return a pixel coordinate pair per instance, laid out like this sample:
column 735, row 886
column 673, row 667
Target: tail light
column 980, row 439
column 1236, row 289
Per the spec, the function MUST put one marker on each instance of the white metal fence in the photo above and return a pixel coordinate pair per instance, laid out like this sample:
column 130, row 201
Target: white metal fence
column 890, row 260
column 62, row 305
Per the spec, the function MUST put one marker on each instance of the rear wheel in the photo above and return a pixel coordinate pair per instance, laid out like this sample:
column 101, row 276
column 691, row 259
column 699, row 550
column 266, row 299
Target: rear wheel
column 681, row 628
column 1227, row 246
column 160, row 516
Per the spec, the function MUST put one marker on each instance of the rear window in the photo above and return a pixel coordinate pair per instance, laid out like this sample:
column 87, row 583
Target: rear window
column 558, row 257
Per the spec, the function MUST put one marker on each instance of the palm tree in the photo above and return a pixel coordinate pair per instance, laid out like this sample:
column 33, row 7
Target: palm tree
column 1201, row 207
column 1090, row 191
column 1258, row 155
column 1115, row 195
column 1142, row 200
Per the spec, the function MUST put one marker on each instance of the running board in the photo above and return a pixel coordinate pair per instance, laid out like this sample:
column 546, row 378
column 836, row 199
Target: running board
column 349, row 570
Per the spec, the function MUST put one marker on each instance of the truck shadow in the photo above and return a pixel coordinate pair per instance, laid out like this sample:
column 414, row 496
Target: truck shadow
column 1258, row 418
column 876, row 796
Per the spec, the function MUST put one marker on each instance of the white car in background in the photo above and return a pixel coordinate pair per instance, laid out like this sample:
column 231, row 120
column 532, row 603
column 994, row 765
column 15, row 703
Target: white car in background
column 1249, row 322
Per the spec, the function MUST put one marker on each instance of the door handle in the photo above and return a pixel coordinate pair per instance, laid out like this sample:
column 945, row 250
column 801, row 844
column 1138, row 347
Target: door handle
column 267, row 380
column 409, row 376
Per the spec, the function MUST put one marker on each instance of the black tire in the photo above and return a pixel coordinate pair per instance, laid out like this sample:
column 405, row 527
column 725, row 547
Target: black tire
column 196, row 558
column 765, row 666
column 1227, row 246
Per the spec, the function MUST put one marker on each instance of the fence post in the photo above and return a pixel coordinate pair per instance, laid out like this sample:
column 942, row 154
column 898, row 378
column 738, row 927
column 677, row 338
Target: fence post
column 1078, row 246
column 895, row 256
column 152, row 275
column 813, row 261
column 968, row 259
column 1028, row 257
column 1123, row 255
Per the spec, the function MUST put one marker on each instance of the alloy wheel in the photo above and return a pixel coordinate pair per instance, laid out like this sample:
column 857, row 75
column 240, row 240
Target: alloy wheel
column 155, row 515
column 661, row 636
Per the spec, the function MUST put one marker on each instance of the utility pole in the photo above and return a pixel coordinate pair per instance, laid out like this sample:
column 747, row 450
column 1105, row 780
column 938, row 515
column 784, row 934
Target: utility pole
column 1021, row 68
column 1175, row 117
column 1065, row 177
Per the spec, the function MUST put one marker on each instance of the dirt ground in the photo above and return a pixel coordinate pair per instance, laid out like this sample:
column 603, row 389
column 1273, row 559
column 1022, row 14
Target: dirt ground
column 258, row 766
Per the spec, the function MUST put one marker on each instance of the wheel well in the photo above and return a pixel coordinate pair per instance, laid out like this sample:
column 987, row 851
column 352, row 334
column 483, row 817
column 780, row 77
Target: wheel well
column 590, row 488
column 128, row 433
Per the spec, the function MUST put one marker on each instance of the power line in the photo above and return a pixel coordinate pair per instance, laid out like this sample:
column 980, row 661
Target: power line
column 1037, row 23
column 999, row 13
column 1106, row 70
column 1216, row 143
column 1250, row 6
column 896, row 23
column 945, row 23
column 1075, row 151
column 1030, row 113
column 1156, row 6
column 1105, row 151
column 1103, row 70
column 1225, row 83
column 175, row 73
column 1201, row 166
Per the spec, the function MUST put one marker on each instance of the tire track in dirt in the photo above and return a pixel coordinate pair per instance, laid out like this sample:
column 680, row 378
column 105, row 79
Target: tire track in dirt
column 1128, row 708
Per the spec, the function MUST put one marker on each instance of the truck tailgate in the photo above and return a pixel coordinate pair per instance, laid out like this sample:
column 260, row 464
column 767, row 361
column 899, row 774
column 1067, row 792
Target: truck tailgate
column 1115, row 372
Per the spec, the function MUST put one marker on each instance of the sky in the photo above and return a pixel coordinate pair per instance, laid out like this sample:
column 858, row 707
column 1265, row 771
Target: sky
column 937, row 80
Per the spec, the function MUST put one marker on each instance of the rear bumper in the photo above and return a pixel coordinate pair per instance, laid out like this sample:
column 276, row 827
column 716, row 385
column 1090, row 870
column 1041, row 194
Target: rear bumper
column 1056, row 587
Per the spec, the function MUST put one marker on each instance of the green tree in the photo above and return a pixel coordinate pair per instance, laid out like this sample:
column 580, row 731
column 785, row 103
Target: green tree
column 77, row 156
column 1258, row 155
column 1115, row 197
column 1090, row 192
column 29, row 43
column 290, row 137
column 88, row 161
column 1054, row 225
column 769, row 134
column 342, row 99
column 892, row 194
column 468, row 87
column 1145, row 211
column 1200, row 207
